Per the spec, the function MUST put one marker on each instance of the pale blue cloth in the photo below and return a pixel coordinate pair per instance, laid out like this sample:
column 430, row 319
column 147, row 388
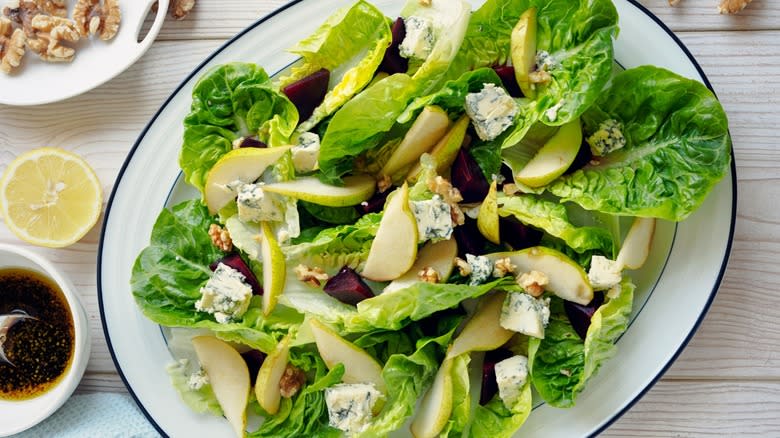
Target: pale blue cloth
column 102, row 415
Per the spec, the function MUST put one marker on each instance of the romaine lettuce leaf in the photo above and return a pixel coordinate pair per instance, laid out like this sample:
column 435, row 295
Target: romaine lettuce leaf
column 494, row 419
column 199, row 400
column 677, row 148
column 350, row 44
column 553, row 218
column 561, row 363
column 461, row 399
column 228, row 102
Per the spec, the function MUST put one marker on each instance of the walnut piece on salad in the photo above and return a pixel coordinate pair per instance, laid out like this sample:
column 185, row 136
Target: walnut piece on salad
column 12, row 43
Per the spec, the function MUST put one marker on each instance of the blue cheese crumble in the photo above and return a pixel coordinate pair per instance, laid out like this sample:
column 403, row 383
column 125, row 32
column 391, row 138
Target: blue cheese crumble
column 481, row 269
column 491, row 110
column 419, row 40
column 511, row 376
column 225, row 295
column 434, row 218
column 306, row 153
column 545, row 61
column 255, row 205
column 198, row 380
column 525, row 314
column 350, row 406
column 604, row 273
column 607, row 139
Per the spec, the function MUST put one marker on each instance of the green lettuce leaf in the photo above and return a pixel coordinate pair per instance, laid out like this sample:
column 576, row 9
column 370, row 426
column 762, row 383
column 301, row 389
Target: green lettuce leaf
column 461, row 399
column 228, row 102
column 494, row 419
column 553, row 218
column 562, row 363
column 331, row 215
column 199, row 400
column 351, row 44
column 677, row 148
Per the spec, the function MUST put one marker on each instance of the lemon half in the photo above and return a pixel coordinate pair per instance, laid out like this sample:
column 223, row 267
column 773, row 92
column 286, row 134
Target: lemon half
column 50, row 197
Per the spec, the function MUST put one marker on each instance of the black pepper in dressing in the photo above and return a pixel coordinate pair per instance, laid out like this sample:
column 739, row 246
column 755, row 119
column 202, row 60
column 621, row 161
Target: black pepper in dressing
column 40, row 349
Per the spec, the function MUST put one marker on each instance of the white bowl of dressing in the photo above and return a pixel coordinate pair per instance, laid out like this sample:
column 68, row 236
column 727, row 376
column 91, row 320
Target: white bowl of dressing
column 26, row 406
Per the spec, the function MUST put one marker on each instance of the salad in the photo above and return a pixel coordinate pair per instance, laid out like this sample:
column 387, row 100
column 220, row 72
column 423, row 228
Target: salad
column 416, row 201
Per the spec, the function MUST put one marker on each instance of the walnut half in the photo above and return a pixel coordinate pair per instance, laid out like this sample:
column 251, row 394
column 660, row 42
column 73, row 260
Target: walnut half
column 179, row 9
column 94, row 17
column 11, row 46
column 50, row 32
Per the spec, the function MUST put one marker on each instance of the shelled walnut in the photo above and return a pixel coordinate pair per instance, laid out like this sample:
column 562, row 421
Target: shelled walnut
column 178, row 9
column 50, row 33
column 725, row 7
column 11, row 45
column 96, row 17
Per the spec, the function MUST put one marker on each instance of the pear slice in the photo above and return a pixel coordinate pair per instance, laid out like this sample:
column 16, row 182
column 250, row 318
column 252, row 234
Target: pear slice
column 523, row 51
column 437, row 255
column 355, row 190
column 483, row 331
column 267, row 385
column 487, row 219
column 445, row 151
column 567, row 279
column 635, row 249
column 274, row 269
column 554, row 157
column 428, row 128
column 436, row 405
column 245, row 164
column 229, row 377
column 394, row 248
column 359, row 366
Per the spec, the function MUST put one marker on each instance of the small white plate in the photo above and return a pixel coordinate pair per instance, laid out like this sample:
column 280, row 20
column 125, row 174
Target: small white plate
column 674, row 290
column 37, row 82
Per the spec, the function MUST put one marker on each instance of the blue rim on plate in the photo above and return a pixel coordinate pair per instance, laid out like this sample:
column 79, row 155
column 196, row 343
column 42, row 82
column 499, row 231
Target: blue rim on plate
column 198, row 70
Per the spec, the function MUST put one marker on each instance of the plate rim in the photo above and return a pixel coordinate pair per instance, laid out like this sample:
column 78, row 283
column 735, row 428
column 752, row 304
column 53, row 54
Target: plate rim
column 198, row 70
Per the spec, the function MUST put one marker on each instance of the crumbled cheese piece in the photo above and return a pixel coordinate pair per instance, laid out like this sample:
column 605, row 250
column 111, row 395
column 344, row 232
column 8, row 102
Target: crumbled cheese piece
column 525, row 314
column 481, row 269
column 604, row 273
column 533, row 282
column 255, row 205
column 306, row 153
column 545, row 61
column 511, row 375
column 198, row 380
column 350, row 405
column 434, row 218
column 607, row 139
column 552, row 112
column 491, row 110
column 419, row 40
column 226, row 294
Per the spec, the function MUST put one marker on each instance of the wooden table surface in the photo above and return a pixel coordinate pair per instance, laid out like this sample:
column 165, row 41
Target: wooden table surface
column 726, row 382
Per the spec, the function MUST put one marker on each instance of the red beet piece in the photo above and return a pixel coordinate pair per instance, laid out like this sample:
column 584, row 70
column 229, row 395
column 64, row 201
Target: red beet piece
column 307, row 93
column 254, row 359
column 375, row 204
column 489, row 384
column 518, row 235
column 470, row 240
column 236, row 262
column 468, row 178
column 251, row 142
column 393, row 62
column 507, row 75
column 348, row 287
column 580, row 316
column 584, row 156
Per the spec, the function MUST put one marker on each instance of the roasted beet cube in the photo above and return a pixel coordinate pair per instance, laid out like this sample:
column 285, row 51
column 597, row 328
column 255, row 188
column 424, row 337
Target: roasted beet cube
column 507, row 75
column 468, row 178
column 375, row 204
column 254, row 359
column 252, row 142
column 518, row 235
column 236, row 262
column 470, row 239
column 580, row 316
column 348, row 287
column 307, row 93
column 584, row 155
column 393, row 62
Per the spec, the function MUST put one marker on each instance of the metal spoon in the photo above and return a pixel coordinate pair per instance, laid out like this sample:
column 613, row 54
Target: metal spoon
column 6, row 322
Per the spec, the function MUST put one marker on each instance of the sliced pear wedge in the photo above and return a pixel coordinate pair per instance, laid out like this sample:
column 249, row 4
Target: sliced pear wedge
column 567, row 279
column 359, row 366
column 554, row 157
column 355, row 190
column 487, row 219
column 267, row 385
column 229, row 377
column 428, row 128
column 445, row 151
column 394, row 248
column 274, row 269
column 245, row 164
column 523, row 51
column 436, row 405
column 635, row 249
column 437, row 255
column 483, row 331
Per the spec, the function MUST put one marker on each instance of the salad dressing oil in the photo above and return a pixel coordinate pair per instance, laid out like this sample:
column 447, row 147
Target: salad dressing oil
column 40, row 349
